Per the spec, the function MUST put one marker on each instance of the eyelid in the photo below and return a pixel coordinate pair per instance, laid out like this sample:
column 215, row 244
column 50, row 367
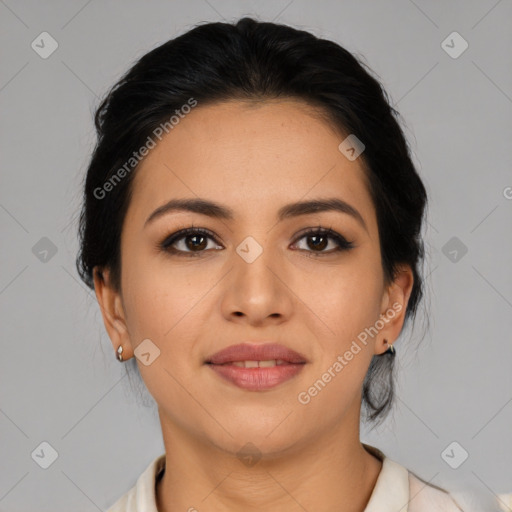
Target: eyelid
column 182, row 233
column 341, row 242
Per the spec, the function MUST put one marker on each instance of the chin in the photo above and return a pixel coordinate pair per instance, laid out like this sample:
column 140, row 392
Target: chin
column 257, row 442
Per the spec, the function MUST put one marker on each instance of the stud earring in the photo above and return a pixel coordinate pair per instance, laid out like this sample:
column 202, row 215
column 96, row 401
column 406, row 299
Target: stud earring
column 120, row 353
column 391, row 349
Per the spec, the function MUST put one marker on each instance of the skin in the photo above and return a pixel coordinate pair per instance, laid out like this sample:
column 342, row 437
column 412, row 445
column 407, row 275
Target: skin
column 254, row 158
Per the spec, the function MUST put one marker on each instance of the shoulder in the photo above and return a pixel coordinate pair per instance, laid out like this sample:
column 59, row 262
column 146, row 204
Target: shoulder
column 505, row 502
column 398, row 489
column 424, row 496
column 142, row 496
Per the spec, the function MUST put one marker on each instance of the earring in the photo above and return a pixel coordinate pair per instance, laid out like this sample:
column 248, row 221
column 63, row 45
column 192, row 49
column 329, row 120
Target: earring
column 391, row 350
column 120, row 353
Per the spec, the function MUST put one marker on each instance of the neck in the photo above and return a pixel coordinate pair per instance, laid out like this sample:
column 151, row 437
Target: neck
column 335, row 472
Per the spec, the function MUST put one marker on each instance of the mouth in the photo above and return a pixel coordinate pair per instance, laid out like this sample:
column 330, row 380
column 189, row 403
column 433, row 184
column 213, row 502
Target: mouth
column 256, row 367
column 261, row 353
column 270, row 363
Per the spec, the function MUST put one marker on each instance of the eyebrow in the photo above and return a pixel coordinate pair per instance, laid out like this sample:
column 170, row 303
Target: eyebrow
column 218, row 211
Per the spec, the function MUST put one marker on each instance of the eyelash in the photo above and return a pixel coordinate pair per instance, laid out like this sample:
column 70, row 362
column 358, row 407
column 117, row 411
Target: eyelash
column 341, row 242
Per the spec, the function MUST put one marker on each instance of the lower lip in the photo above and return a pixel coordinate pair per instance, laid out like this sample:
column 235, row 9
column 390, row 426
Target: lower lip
column 257, row 379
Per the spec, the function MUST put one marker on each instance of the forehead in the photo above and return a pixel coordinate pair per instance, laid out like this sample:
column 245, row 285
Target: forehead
column 250, row 155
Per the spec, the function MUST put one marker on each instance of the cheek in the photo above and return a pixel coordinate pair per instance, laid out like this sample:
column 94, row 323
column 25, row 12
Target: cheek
column 148, row 292
column 346, row 297
column 164, row 298
column 155, row 306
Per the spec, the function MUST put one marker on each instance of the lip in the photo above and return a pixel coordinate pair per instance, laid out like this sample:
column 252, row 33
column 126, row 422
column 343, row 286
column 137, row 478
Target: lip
column 257, row 378
column 256, row 352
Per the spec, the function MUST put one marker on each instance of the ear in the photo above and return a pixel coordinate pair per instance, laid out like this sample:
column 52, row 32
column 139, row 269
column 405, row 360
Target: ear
column 109, row 300
column 393, row 308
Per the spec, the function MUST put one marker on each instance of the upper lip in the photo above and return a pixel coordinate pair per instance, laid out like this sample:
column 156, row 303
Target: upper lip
column 256, row 352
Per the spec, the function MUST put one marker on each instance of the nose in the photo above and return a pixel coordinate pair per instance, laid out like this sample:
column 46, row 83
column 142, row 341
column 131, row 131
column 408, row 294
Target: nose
column 259, row 291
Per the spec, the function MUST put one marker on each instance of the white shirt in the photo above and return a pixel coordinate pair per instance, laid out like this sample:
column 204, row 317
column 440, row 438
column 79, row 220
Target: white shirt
column 396, row 490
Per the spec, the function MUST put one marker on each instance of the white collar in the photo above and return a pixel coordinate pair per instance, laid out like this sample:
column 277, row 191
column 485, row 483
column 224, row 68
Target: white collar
column 391, row 491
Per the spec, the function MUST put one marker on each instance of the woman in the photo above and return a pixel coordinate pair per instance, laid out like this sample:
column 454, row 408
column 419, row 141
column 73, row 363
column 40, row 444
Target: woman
column 251, row 227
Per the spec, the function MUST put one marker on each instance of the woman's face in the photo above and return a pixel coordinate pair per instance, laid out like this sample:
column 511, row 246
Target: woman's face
column 255, row 277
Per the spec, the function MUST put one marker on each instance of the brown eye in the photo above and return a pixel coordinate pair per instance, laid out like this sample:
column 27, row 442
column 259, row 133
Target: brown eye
column 318, row 240
column 196, row 242
column 187, row 242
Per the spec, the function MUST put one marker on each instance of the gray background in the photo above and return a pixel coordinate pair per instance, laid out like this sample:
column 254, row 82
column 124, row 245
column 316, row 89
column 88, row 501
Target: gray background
column 59, row 379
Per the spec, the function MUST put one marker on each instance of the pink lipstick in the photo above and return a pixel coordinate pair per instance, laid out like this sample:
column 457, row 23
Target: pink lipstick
column 257, row 367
